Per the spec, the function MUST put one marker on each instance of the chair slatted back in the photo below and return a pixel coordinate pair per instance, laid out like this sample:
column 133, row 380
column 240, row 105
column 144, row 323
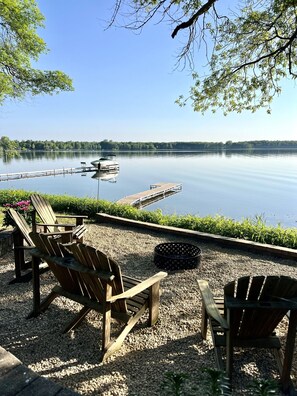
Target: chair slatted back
column 45, row 212
column 272, row 294
column 74, row 276
column 21, row 224
column 50, row 248
column 253, row 294
column 95, row 259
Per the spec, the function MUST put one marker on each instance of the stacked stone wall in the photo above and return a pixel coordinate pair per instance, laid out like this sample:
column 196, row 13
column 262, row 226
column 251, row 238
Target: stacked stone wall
column 6, row 242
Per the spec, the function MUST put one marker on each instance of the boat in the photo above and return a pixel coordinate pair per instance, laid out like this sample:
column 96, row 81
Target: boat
column 105, row 163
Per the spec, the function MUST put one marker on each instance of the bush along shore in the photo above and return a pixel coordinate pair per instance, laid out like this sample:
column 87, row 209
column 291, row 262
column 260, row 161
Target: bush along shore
column 249, row 229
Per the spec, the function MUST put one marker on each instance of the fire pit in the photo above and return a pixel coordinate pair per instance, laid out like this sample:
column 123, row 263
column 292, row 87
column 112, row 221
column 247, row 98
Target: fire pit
column 174, row 256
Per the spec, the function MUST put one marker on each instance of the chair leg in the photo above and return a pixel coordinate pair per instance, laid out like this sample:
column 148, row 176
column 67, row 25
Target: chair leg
column 36, row 285
column 21, row 278
column 106, row 322
column 289, row 352
column 114, row 346
column 44, row 305
column 204, row 320
column 77, row 320
column 229, row 348
column 19, row 257
column 154, row 303
column 229, row 355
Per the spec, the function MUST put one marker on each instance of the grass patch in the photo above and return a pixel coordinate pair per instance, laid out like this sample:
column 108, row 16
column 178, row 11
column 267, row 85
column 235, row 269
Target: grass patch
column 250, row 229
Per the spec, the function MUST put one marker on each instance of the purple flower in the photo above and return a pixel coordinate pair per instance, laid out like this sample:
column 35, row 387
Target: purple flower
column 21, row 205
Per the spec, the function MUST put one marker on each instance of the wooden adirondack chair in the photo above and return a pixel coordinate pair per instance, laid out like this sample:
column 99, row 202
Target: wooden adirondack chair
column 22, row 242
column 50, row 221
column 248, row 316
column 89, row 277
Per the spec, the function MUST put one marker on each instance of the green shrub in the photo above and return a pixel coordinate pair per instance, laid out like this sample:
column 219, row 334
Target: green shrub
column 173, row 384
column 250, row 229
column 215, row 383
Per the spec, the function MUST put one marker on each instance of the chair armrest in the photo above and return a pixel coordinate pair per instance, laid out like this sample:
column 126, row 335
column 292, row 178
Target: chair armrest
column 23, row 247
column 139, row 288
column 56, row 233
column 52, row 233
column 72, row 216
column 55, row 225
column 210, row 305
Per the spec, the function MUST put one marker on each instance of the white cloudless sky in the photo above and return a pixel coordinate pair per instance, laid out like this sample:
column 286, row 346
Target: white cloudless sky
column 125, row 87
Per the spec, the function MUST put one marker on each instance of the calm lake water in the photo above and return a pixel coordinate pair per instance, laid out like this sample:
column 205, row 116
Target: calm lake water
column 233, row 184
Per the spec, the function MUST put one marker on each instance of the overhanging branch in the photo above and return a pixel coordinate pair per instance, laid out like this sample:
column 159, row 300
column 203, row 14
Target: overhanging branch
column 202, row 10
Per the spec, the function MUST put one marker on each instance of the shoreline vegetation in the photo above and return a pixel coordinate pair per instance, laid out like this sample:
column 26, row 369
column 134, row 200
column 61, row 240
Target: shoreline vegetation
column 252, row 229
column 7, row 145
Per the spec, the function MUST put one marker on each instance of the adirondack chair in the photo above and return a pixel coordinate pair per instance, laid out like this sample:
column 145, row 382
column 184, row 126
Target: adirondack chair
column 22, row 242
column 89, row 277
column 248, row 316
column 50, row 219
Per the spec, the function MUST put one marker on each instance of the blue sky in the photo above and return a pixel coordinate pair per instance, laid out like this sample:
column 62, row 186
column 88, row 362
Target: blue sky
column 125, row 87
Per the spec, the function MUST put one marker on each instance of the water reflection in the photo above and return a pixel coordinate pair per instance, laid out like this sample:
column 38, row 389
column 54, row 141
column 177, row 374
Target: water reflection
column 105, row 176
column 54, row 155
column 110, row 176
column 8, row 156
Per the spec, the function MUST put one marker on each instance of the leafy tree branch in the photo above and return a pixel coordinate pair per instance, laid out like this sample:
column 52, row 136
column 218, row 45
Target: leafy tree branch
column 249, row 49
column 19, row 45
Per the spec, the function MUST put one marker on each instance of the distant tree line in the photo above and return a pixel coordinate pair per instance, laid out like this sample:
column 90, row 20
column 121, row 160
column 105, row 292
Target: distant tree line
column 109, row 145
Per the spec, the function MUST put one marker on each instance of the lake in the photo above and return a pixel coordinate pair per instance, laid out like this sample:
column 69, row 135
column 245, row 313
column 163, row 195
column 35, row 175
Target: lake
column 234, row 184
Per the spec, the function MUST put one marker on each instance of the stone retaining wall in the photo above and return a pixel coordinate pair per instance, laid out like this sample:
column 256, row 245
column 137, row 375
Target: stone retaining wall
column 6, row 242
column 255, row 247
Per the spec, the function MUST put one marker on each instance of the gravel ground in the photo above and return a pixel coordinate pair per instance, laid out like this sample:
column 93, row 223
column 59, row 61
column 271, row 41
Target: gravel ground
column 173, row 344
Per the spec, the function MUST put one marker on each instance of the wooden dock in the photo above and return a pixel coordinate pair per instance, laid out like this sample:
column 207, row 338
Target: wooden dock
column 42, row 173
column 18, row 379
column 156, row 192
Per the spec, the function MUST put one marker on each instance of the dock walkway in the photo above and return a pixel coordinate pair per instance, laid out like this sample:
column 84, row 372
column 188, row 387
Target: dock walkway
column 156, row 191
column 48, row 172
